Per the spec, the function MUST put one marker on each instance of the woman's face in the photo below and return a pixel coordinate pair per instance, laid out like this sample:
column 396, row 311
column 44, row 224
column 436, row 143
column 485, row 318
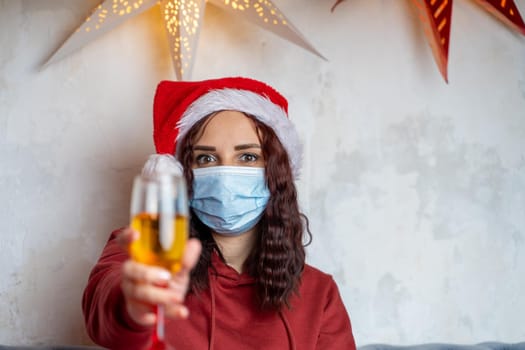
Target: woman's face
column 229, row 138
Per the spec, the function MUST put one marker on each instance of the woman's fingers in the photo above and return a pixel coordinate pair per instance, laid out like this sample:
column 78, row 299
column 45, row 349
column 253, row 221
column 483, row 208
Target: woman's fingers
column 145, row 274
column 143, row 314
column 145, row 286
column 181, row 280
column 191, row 255
column 176, row 311
column 126, row 236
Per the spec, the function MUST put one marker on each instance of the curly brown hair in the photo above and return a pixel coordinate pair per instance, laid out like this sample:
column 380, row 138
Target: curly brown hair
column 277, row 259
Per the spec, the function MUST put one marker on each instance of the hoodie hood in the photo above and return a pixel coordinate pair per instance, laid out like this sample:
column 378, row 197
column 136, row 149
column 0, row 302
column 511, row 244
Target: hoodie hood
column 223, row 279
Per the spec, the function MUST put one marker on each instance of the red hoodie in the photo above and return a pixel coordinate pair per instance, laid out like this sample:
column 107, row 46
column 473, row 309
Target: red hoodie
column 224, row 317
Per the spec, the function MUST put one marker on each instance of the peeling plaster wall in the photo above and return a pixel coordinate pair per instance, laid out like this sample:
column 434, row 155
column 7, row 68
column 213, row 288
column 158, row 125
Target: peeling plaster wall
column 415, row 189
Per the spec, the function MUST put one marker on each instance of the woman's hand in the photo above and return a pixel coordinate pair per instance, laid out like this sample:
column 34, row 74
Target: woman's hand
column 145, row 286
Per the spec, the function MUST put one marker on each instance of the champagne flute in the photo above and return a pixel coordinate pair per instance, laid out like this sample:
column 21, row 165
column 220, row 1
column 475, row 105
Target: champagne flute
column 159, row 213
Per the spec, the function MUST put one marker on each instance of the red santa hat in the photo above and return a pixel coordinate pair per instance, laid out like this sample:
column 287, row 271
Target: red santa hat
column 178, row 105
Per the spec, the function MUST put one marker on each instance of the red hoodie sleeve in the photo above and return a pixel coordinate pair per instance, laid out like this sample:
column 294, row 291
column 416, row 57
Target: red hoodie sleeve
column 107, row 321
column 336, row 330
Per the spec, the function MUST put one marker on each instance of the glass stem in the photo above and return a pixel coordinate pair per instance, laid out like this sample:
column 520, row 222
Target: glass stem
column 159, row 329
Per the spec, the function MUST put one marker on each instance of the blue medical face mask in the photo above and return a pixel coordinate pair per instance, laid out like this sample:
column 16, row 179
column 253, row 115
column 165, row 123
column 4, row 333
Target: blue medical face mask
column 229, row 199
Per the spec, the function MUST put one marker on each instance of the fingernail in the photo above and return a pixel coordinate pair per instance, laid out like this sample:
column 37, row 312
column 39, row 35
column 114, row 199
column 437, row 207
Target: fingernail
column 135, row 235
column 164, row 275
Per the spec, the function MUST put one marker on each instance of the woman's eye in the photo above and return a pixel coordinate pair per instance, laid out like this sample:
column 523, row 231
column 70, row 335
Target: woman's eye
column 203, row 159
column 249, row 157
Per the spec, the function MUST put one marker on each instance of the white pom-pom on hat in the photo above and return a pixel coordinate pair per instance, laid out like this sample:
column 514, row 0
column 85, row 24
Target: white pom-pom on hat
column 160, row 164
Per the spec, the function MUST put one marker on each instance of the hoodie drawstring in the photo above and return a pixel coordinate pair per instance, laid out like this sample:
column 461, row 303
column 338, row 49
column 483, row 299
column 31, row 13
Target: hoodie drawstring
column 212, row 326
column 288, row 330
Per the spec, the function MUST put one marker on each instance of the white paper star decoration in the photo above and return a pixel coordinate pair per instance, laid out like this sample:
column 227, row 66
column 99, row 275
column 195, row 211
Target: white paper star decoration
column 182, row 19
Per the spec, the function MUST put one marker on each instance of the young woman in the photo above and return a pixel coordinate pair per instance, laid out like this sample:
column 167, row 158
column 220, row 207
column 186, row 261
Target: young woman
column 244, row 282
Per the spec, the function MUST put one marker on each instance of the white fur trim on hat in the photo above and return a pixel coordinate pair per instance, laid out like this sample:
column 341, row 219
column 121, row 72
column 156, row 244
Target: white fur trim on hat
column 252, row 103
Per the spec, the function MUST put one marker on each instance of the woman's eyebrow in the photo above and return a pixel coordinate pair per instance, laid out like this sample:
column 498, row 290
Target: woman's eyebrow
column 204, row 148
column 246, row 146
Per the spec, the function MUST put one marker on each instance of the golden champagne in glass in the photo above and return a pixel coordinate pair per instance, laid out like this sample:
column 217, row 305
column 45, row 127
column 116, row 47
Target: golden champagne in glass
column 148, row 248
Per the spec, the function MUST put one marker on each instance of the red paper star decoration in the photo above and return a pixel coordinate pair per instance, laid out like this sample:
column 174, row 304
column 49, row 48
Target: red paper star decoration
column 436, row 17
